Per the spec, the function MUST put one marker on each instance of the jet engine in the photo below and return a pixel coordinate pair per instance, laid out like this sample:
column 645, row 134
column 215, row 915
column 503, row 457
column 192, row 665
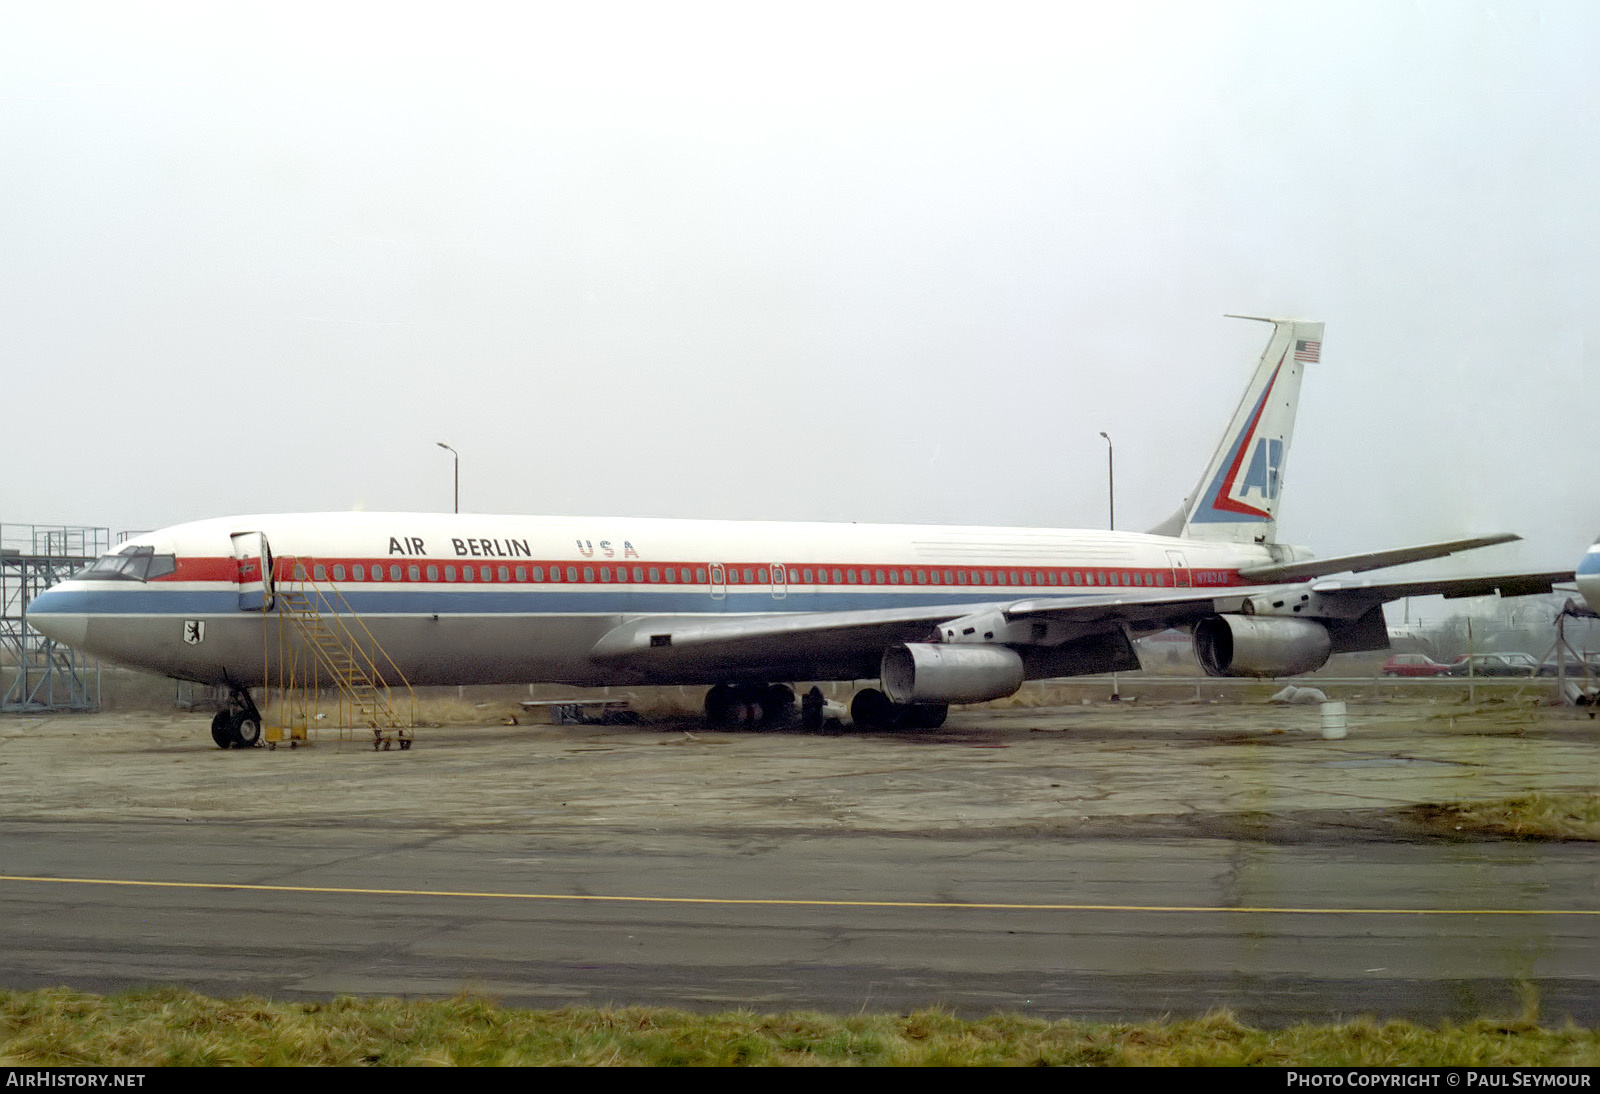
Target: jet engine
column 1239, row 645
column 921, row 672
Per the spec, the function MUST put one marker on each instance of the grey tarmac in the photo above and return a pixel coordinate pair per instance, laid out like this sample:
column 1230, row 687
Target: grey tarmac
column 1102, row 860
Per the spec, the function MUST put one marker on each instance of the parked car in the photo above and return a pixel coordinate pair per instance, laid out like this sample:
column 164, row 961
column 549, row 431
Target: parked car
column 1587, row 665
column 1495, row 664
column 1414, row 664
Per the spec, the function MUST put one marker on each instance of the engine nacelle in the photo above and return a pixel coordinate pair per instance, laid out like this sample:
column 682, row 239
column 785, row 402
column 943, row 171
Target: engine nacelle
column 1240, row 645
column 921, row 672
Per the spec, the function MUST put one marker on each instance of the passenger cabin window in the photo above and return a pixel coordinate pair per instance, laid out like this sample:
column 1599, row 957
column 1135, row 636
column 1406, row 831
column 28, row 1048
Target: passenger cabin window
column 338, row 571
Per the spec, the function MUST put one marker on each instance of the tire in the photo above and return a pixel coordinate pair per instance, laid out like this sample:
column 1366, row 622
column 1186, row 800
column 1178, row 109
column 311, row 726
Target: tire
column 222, row 729
column 719, row 706
column 246, row 729
column 811, row 710
column 871, row 709
column 777, row 706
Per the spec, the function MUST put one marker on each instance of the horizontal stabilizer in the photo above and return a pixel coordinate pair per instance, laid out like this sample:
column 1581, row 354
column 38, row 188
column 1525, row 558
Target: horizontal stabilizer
column 1372, row 560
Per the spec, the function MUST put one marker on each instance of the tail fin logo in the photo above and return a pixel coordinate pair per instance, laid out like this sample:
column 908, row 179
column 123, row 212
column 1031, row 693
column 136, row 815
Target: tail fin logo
column 1263, row 474
column 1228, row 492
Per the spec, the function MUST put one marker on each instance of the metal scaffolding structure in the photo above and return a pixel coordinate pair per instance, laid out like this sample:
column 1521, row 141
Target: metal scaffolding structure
column 44, row 675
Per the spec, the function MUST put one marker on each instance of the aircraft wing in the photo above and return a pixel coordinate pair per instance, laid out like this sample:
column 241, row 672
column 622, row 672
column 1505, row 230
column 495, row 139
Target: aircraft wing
column 799, row 645
column 1449, row 587
column 1371, row 560
column 822, row 645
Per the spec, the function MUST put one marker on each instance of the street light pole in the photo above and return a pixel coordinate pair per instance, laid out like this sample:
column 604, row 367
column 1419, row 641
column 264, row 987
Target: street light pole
column 1111, row 501
column 457, row 455
column 1111, row 480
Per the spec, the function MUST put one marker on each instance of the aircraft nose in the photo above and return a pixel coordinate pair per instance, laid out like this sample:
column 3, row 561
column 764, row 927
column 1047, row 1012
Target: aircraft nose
column 50, row 614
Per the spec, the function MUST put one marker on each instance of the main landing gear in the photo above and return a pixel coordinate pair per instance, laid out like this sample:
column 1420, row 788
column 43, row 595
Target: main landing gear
column 237, row 725
column 772, row 706
column 752, row 706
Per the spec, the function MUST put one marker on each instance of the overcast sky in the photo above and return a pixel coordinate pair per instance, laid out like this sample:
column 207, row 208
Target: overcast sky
column 872, row 262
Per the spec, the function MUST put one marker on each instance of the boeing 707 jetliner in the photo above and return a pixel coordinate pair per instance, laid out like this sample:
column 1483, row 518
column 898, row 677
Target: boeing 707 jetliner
column 938, row 615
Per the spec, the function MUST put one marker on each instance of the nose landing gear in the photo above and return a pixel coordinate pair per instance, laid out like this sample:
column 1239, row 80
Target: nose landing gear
column 238, row 725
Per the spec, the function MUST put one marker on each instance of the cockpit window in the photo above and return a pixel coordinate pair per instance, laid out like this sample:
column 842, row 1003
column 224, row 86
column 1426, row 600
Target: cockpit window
column 132, row 563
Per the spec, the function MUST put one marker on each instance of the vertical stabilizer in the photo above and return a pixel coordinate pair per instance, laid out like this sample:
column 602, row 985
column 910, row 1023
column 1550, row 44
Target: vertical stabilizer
column 1237, row 497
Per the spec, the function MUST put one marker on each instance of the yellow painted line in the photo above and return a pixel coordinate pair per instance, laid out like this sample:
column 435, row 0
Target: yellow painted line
column 787, row 901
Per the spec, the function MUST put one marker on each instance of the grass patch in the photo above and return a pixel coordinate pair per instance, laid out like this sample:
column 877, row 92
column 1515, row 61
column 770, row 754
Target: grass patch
column 1574, row 815
column 174, row 1027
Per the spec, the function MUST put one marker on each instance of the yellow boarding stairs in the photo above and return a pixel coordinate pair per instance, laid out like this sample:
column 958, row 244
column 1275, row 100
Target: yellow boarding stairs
column 320, row 636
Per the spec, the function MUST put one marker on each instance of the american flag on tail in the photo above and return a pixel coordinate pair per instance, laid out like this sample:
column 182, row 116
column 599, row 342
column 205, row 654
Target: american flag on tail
column 1307, row 350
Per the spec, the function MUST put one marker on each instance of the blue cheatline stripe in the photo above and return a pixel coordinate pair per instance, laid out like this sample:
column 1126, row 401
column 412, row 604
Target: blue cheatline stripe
column 540, row 601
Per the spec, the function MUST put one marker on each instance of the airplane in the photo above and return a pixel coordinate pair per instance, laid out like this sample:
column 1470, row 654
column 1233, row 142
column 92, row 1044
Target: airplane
column 936, row 615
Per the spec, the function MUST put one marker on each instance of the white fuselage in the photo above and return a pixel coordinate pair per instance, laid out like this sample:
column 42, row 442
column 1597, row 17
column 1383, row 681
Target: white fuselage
column 1588, row 576
column 463, row 599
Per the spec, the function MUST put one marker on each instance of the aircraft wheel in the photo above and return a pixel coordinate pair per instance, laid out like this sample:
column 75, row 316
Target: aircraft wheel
column 246, row 730
column 777, row 706
column 924, row 716
column 811, row 710
column 871, row 709
column 222, row 729
column 719, row 706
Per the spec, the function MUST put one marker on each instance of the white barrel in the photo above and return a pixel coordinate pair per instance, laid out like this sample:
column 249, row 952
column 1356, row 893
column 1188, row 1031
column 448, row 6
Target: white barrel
column 1333, row 721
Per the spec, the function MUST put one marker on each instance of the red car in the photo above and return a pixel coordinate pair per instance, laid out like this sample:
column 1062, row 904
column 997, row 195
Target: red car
column 1414, row 664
